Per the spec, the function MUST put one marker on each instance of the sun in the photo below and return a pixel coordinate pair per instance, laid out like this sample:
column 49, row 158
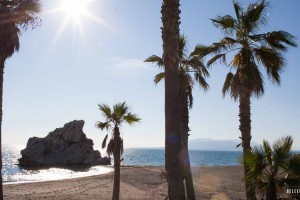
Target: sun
column 75, row 9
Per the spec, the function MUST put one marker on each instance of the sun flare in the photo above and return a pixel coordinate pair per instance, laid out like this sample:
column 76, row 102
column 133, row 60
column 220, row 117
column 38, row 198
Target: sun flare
column 75, row 9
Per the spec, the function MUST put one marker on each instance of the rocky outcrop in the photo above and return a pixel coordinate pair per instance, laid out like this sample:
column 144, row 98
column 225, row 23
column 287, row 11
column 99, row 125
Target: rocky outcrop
column 63, row 146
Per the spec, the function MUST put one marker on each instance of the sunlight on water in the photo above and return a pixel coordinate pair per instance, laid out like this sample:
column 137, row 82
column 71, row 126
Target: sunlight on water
column 13, row 173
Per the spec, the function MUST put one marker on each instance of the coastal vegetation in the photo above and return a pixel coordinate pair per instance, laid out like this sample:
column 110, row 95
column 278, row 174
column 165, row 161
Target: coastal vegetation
column 246, row 51
column 251, row 51
column 15, row 17
column 191, row 70
column 274, row 169
column 114, row 118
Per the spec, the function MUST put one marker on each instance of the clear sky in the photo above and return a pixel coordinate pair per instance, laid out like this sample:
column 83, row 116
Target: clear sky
column 61, row 74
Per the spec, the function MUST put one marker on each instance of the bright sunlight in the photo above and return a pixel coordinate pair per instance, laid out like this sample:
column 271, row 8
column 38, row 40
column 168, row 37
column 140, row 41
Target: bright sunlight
column 75, row 9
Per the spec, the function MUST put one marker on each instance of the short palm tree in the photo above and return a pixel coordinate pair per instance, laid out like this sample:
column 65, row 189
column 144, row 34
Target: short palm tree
column 114, row 118
column 15, row 16
column 272, row 169
column 251, row 51
column 191, row 70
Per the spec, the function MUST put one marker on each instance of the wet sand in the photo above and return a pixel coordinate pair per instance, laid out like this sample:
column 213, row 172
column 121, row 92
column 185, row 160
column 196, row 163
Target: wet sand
column 136, row 183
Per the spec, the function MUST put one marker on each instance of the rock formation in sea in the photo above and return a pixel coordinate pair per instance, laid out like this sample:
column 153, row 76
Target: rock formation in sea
column 63, row 146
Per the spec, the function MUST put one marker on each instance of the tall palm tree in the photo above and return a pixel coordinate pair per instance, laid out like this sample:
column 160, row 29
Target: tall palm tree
column 15, row 16
column 251, row 51
column 114, row 118
column 191, row 70
column 272, row 168
column 170, row 35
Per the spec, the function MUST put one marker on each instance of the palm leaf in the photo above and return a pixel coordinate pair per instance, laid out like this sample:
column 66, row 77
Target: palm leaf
column 110, row 147
column 201, row 81
column 227, row 83
column 159, row 77
column 104, row 141
column 222, row 58
column 278, row 40
column 106, row 111
column 155, row 59
column 103, row 125
column 225, row 23
column 131, row 118
column 121, row 147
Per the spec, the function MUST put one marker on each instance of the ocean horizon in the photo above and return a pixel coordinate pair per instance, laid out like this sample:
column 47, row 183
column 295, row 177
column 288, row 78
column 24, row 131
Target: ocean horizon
column 13, row 173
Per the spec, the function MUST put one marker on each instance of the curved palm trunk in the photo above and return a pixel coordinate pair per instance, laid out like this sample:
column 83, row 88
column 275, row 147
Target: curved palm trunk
column 271, row 191
column 117, row 161
column 185, row 158
column 1, row 113
column 170, row 35
column 245, row 128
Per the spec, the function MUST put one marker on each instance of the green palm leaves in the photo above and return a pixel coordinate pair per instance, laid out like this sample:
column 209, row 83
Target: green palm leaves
column 114, row 118
column 248, row 49
column 190, row 66
column 274, row 167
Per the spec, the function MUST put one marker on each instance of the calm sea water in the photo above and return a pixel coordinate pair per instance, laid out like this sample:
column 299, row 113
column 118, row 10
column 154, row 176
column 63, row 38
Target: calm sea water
column 153, row 157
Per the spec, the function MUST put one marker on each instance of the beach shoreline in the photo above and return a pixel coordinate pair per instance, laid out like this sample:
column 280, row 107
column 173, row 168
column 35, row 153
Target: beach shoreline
column 137, row 182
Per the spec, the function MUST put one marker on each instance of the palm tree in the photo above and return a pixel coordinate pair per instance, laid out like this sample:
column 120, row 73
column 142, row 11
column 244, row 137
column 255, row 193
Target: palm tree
column 271, row 169
column 114, row 118
column 251, row 50
column 170, row 35
column 191, row 70
column 15, row 16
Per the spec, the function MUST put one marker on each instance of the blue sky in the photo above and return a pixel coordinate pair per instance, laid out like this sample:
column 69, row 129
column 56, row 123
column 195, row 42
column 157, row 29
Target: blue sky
column 56, row 78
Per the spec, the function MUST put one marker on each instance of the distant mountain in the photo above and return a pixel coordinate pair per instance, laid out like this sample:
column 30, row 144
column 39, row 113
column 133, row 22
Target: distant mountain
column 215, row 145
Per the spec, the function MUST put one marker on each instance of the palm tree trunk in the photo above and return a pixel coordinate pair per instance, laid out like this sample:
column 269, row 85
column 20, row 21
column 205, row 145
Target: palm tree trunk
column 1, row 113
column 117, row 162
column 245, row 128
column 170, row 35
column 185, row 158
column 271, row 191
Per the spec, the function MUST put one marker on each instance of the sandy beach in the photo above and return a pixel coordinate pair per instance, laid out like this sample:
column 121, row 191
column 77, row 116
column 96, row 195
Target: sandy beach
column 136, row 183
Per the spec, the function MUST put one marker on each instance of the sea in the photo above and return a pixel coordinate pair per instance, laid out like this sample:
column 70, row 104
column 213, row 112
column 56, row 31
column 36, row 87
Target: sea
column 13, row 173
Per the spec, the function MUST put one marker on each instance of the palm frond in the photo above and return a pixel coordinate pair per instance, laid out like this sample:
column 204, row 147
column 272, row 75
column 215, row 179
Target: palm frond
column 104, row 141
column 104, row 125
column 257, row 14
column 106, row 111
column 226, row 23
column 201, row 81
column 227, row 83
column 279, row 39
column 121, row 147
column 131, row 118
column 294, row 164
column 237, row 8
column 221, row 57
column 120, row 109
column 182, row 47
column 156, row 60
column 282, row 151
column 159, row 77
column 272, row 61
column 26, row 13
column 110, row 147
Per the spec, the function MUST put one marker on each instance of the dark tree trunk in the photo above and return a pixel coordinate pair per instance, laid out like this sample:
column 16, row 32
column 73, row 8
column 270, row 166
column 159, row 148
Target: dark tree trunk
column 117, row 162
column 1, row 113
column 245, row 128
column 185, row 158
column 170, row 35
column 271, row 191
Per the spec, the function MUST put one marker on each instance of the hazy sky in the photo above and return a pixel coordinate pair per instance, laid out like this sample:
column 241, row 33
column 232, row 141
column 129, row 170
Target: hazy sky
column 61, row 74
